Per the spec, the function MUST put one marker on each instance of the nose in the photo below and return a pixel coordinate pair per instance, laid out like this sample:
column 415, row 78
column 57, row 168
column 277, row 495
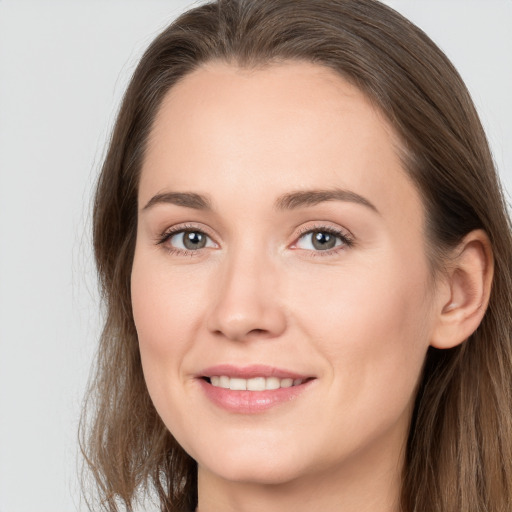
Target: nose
column 247, row 302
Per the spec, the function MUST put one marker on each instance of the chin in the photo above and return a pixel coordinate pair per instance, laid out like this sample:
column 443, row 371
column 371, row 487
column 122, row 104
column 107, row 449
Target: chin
column 258, row 466
column 250, row 474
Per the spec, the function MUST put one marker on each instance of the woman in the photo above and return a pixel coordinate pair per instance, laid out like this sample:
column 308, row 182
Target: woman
column 305, row 255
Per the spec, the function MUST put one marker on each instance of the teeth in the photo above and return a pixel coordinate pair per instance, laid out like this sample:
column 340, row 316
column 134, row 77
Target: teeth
column 288, row 383
column 273, row 383
column 237, row 384
column 224, row 382
column 254, row 384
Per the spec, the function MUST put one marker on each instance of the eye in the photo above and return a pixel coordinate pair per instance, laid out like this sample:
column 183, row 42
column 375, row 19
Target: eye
column 322, row 240
column 188, row 240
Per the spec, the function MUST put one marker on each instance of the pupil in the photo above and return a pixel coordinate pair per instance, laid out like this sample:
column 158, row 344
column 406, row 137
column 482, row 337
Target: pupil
column 323, row 240
column 194, row 240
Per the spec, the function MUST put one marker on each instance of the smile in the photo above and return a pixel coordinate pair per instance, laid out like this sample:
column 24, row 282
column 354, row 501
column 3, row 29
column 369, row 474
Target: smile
column 251, row 389
column 253, row 384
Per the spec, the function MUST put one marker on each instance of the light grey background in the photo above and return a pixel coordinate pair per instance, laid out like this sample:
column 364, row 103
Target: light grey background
column 63, row 68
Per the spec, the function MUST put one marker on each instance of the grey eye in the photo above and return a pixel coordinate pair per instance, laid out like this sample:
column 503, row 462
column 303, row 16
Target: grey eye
column 190, row 240
column 322, row 240
column 319, row 240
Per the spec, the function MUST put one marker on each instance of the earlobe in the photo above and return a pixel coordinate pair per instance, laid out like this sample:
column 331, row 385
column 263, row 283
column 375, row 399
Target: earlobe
column 465, row 293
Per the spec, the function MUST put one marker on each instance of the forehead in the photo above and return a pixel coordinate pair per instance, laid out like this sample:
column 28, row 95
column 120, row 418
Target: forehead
column 291, row 125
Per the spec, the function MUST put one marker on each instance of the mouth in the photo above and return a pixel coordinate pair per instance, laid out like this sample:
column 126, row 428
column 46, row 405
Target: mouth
column 252, row 389
column 260, row 383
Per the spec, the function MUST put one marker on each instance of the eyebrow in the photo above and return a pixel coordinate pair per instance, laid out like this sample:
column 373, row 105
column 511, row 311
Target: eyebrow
column 305, row 198
column 186, row 199
column 289, row 201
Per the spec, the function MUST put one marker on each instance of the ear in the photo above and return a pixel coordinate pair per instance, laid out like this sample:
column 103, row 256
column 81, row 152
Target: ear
column 463, row 294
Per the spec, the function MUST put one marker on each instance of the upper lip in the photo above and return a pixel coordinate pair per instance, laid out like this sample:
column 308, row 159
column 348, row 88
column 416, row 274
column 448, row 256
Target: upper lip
column 250, row 371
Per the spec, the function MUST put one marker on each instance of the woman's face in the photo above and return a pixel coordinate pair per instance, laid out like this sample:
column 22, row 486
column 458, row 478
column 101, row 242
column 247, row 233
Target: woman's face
column 280, row 244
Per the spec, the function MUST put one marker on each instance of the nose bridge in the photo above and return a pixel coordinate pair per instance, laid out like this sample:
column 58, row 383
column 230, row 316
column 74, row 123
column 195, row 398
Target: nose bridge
column 247, row 302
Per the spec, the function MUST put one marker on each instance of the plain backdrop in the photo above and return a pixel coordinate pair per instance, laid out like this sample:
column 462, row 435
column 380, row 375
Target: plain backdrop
column 63, row 68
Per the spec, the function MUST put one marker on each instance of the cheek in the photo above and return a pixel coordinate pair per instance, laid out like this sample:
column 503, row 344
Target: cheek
column 165, row 305
column 165, row 312
column 372, row 325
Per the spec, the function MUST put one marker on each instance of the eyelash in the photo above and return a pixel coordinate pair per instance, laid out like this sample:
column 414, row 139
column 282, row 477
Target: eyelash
column 169, row 233
column 347, row 241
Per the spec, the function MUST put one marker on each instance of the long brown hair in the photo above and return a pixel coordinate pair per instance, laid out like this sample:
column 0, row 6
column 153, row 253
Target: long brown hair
column 459, row 451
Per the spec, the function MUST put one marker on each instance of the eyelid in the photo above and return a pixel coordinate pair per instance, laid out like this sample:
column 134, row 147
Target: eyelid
column 324, row 226
column 346, row 237
column 171, row 231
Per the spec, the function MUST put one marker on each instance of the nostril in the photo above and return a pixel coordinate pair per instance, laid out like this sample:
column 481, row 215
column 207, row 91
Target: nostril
column 257, row 331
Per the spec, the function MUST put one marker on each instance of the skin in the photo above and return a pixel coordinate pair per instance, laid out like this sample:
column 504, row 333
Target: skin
column 358, row 318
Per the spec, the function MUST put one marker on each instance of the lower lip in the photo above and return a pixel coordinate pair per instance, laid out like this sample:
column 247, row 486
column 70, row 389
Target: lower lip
column 251, row 402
